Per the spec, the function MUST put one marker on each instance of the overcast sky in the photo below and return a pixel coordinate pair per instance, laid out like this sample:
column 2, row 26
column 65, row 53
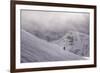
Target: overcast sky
column 48, row 21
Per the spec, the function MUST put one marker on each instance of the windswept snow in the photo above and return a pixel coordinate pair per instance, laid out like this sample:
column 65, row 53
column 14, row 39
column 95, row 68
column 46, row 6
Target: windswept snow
column 34, row 49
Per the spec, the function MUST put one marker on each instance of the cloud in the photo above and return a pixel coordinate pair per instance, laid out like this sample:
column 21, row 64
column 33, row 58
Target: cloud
column 50, row 22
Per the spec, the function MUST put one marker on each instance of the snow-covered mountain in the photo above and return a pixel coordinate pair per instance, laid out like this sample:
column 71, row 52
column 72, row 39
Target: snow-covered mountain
column 75, row 42
column 34, row 49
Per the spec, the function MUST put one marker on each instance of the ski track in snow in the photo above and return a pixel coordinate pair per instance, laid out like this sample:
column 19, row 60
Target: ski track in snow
column 34, row 49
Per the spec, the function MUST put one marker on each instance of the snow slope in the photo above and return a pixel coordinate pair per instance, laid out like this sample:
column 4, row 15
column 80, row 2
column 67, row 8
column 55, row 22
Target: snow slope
column 80, row 44
column 34, row 49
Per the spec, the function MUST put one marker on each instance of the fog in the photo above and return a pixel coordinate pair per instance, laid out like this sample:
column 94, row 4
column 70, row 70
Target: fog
column 53, row 25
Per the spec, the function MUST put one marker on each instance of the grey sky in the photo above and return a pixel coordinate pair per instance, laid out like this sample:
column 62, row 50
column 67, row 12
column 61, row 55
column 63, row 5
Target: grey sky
column 59, row 22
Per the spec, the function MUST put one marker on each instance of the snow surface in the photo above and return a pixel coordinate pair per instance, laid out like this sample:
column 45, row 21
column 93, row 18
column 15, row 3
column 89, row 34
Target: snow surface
column 80, row 43
column 34, row 49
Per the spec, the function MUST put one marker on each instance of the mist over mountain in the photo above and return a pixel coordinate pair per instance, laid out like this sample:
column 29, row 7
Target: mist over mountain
column 52, row 26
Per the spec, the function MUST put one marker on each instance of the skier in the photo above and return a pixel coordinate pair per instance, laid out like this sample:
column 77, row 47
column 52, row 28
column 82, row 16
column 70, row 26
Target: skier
column 64, row 48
